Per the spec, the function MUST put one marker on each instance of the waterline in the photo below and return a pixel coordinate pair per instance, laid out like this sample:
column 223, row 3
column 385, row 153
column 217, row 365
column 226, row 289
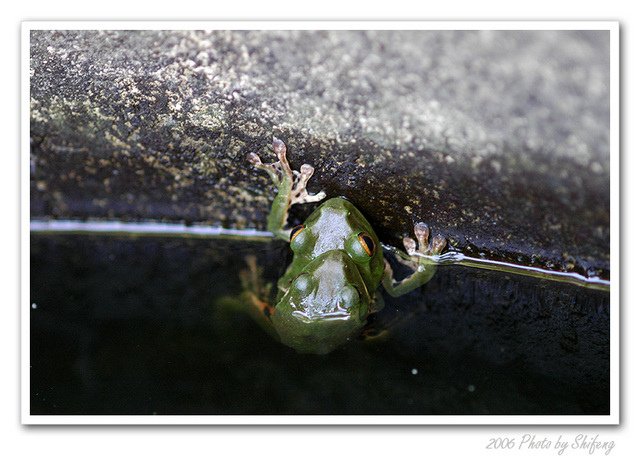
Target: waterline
column 457, row 258
column 206, row 231
column 142, row 228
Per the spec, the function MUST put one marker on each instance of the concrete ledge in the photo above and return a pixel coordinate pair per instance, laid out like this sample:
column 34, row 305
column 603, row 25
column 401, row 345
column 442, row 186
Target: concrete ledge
column 499, row 140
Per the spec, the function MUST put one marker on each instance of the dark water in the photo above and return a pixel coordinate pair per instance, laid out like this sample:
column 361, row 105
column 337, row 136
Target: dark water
column 134, row 326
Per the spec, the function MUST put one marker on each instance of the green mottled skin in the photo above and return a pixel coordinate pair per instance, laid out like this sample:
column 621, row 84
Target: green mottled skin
column 330, row 287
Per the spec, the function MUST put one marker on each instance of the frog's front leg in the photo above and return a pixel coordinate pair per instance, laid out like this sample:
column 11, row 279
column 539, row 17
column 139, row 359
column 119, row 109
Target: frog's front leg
column 292, row 188
column 423, row 268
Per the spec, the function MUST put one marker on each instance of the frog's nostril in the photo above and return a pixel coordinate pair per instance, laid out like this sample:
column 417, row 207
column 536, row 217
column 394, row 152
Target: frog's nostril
column 348, row 296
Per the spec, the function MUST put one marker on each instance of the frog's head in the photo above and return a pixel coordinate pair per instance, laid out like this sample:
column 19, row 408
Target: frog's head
column 325, row 305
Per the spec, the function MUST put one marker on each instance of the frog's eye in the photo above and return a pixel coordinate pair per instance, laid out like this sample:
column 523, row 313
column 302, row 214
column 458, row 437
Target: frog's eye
column 300, row 238
column 367, row 243
column 295, row 231
column 361, row 247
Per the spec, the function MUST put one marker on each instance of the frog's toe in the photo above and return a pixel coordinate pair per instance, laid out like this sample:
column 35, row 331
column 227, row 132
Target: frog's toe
column 280, row 149
column 280, row 170
column 421, row 231
column 424, row 246
column 254, row 159
column 409, row 245
column 438, row 243
column 271, row 168
column 282, row 164
column 299, row 193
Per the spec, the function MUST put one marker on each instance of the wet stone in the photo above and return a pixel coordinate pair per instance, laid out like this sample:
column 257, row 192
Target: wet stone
column 498, row 140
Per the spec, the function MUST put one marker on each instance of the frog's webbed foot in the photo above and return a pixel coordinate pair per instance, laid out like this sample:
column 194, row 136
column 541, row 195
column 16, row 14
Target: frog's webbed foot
column 252, row 301
column 423, row 268
column 299, row 193
column 281, row 173
column 280, row 170
column 292, row 187
column 425, row 246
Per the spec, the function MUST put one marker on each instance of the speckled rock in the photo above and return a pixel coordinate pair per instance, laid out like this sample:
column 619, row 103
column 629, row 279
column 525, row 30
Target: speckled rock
column 499, row 140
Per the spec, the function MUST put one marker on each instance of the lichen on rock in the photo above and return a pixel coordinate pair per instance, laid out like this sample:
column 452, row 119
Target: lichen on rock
column 498, row 139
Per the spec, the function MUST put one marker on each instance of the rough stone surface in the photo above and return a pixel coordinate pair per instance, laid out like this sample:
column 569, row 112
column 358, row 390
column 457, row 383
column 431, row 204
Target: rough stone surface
column 499, row 140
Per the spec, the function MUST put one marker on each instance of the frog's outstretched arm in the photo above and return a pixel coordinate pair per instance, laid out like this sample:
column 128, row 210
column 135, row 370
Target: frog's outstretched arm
column 291, row 188
column 423, row 268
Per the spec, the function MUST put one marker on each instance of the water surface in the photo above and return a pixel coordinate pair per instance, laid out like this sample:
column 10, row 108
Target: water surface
column 134, row 325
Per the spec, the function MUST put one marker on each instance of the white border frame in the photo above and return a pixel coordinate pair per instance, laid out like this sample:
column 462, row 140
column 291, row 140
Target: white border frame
column 614, row 156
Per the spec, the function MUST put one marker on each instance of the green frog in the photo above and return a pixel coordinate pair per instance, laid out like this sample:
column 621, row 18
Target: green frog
column 331, row 286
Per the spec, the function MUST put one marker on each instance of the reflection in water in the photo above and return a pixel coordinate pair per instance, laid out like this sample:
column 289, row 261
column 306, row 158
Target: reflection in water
column 129, row 325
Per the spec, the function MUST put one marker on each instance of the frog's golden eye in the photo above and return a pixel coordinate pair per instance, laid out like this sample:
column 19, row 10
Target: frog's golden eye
column 367, row 243
column 296, row 230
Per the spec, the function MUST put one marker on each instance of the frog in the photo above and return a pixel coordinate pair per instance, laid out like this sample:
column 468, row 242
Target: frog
column 331, row 286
